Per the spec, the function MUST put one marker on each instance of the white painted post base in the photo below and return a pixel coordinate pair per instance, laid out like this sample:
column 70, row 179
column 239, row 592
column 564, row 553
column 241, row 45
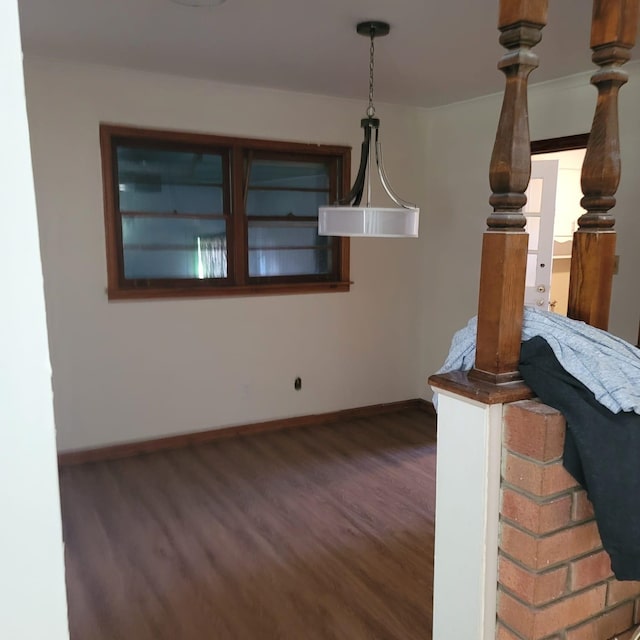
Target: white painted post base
column 467, row 512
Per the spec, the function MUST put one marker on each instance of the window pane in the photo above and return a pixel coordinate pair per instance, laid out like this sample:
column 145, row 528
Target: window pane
column 284, row 203
column 281, row 188
column 289, row 262
column 289, row 174
column 174, row 248
column 151, row 180
column 276, row 250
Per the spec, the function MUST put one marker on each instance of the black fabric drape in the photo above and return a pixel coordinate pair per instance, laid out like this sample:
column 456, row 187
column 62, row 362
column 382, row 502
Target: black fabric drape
column 602, row 452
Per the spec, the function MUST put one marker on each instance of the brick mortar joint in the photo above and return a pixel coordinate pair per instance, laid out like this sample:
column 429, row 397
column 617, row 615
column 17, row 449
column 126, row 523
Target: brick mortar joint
column 563, row 563
column 536, row 573
column 539, row 536
column 566, row 596
column 539, row 500
column 536, row 461
column 525, row 458
column 574, row 524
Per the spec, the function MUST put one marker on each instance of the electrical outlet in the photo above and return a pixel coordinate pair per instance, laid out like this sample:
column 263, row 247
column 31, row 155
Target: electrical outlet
column 297, row 383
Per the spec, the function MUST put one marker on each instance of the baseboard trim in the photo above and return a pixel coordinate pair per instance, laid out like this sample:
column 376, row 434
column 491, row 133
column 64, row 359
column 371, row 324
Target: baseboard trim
column 128, row 449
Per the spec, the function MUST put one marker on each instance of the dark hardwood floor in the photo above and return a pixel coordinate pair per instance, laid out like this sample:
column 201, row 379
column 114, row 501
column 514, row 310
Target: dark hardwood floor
column 318, row 533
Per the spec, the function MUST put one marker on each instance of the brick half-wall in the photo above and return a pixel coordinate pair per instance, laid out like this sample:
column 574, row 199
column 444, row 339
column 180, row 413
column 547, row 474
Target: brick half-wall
column 554, row 578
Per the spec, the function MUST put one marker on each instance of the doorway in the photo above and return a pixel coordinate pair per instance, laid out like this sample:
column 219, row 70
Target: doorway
column 552, row 213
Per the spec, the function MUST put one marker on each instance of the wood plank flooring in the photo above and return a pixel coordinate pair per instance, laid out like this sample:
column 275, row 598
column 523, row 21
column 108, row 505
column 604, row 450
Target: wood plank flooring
column 318, row 533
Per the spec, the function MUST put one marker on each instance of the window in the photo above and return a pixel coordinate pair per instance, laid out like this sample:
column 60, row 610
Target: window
column 199, row 215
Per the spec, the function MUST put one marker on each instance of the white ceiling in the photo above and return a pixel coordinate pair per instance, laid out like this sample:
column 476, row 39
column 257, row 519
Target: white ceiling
column 438, row 51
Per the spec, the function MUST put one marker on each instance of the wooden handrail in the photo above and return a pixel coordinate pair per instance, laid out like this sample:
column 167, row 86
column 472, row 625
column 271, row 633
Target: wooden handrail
column 613, row 33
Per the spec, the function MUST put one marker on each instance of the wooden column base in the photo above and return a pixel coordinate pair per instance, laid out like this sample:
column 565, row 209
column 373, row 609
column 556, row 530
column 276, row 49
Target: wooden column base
column 501, row 306
column 462, row 383
column 592, row 266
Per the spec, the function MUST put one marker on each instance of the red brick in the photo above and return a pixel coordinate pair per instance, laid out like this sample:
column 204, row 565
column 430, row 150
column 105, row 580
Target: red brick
column 537, row 553
column 519, row 545
column 538, row 479
column 582, row 507
column 621, row 591
column 604, row 626
column 534, row 516
column 533, row 588
column 502, row 633
column 535, row 624
column 624, row 636
column 590, row 570
column 568, row 544
column 516, row 614
column 534, row 430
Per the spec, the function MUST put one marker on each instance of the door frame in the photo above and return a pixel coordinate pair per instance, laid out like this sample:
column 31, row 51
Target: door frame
column 566, row 143
column 555, row 145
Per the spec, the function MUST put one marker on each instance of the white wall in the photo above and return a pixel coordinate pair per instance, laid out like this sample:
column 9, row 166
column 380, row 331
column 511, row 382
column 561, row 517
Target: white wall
column 626, row 296
column 459, row 141
column 134, row 370
column 32, row 591
column 142, row 369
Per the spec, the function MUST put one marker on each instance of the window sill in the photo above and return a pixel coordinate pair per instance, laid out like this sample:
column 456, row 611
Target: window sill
column 135, row 293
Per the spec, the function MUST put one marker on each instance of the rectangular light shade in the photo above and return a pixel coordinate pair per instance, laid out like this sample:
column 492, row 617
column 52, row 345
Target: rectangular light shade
column 372, row 222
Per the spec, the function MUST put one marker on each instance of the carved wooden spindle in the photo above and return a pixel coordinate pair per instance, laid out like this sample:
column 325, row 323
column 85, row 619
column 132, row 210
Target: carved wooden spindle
column 504, row 245
column 613, row 33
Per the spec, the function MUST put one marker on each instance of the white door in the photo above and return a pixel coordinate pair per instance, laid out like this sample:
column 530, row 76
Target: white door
column 540, row 211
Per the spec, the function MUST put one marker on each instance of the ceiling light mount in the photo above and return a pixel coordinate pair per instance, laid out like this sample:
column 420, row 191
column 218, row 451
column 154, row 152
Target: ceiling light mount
column 347, row 218
column 198, row 4
column 373, row 28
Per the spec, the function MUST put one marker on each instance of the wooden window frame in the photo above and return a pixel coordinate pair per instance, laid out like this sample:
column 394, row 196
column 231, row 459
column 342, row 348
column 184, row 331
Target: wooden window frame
column 236, row 153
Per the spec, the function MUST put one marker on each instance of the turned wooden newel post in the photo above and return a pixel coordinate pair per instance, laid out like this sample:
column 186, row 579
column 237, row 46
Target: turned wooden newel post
column 613, row 33
column 504, row 246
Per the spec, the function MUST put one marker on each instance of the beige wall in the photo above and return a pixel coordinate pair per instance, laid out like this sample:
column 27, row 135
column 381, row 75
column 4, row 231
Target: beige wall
column 459, row 144
column 560, row 285
column 134, row 370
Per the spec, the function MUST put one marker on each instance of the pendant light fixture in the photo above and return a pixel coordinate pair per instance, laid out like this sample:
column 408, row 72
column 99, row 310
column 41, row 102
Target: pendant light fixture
column 347, row 217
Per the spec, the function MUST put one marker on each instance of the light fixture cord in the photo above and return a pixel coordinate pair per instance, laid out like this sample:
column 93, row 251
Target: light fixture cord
column 371, row 110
